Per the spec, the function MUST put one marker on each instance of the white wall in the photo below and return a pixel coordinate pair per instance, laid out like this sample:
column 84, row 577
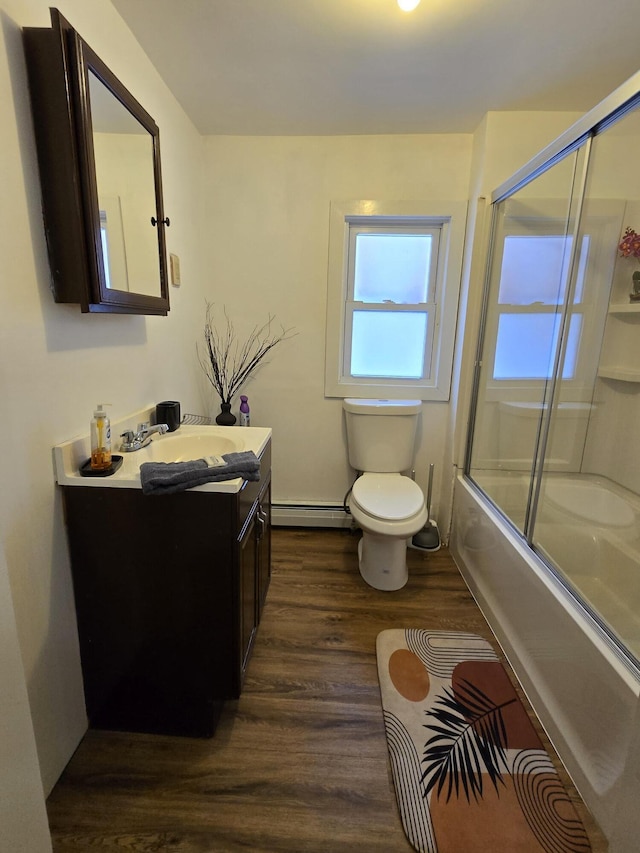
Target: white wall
column 23, row 817
column 56, row 363
column 267, row 219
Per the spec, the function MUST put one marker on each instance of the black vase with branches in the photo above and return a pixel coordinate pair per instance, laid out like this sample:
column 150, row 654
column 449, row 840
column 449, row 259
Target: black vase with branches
column 228, row 363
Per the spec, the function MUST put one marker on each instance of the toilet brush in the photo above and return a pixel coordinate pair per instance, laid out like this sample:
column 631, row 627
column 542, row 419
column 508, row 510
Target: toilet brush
column 428, row 539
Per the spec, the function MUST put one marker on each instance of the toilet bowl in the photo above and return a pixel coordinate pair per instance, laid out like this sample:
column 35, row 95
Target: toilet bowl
column 389, row 508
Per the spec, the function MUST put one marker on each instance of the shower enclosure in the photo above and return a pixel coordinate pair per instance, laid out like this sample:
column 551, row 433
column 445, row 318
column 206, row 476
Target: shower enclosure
column 547, row 513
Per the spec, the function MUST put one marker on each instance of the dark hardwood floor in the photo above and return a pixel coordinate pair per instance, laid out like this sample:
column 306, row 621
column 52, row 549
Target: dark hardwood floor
column 299, row 762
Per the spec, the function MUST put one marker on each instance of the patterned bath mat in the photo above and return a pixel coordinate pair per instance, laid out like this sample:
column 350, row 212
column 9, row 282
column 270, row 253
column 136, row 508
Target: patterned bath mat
column 470, row 773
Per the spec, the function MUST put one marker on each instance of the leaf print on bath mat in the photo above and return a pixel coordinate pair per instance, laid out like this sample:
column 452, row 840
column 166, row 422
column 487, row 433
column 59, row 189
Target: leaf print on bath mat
column 470, row 741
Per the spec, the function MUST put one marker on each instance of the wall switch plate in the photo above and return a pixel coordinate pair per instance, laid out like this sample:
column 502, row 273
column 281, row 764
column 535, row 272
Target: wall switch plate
column 174, row 262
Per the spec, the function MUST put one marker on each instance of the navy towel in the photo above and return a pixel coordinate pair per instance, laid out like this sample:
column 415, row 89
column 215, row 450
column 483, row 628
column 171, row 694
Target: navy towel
column 165, row 478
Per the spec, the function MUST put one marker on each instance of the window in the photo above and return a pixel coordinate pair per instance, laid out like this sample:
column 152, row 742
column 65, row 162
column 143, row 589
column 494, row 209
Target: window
column 394, row 276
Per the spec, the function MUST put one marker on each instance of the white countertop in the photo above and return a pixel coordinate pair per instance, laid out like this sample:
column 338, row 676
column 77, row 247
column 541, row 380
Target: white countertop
column 69, row 456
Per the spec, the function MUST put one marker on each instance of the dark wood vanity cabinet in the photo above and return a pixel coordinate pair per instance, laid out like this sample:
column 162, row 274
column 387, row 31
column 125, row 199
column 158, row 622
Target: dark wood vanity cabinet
column 169, row 592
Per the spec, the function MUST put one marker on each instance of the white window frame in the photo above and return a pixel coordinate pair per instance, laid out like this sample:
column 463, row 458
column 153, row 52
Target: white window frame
column 348, row 217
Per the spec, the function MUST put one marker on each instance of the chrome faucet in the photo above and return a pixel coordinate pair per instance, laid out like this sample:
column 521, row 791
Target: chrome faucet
column 142, row 437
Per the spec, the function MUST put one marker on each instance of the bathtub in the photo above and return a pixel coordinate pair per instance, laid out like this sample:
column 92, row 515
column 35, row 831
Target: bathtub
column 583, row 688
column 593, row 500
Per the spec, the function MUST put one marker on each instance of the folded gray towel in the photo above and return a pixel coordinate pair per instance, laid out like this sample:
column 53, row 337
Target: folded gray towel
column 165, row 478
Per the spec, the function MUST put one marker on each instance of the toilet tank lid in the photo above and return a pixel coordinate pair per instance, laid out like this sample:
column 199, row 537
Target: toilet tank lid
column 381, row 407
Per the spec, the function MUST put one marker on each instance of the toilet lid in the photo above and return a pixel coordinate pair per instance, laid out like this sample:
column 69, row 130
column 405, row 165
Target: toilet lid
column 389, row 496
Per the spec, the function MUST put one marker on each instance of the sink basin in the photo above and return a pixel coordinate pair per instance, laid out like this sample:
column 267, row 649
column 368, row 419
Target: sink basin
column 182, row 448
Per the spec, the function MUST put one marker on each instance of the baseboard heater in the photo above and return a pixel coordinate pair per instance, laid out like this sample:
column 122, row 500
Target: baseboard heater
column 309, row 515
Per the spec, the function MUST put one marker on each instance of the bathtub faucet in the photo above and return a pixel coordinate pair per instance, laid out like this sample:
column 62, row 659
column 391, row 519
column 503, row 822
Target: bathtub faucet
column 142, row 437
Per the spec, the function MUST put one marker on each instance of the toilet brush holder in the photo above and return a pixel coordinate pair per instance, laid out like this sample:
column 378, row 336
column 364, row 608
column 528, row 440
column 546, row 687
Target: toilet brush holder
column 427, row 539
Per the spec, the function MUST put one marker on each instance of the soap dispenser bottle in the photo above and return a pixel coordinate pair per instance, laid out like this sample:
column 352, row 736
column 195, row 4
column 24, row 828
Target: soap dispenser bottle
column 244, row 411
column 100, row 440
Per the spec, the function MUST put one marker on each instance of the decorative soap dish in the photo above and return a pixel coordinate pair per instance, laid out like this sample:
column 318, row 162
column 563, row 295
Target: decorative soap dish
column 87, row 471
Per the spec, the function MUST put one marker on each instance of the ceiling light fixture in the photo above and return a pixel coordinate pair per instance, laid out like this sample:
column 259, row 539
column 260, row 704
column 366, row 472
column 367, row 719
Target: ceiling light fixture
column 408, row 5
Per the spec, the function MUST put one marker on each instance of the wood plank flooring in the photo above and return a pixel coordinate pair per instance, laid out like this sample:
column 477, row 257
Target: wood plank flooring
column 299, row 762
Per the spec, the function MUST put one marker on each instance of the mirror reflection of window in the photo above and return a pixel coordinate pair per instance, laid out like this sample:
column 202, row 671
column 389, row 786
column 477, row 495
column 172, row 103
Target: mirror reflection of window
column 125, row 179
column 533, row 282
column 114, row 255
column 104, row 240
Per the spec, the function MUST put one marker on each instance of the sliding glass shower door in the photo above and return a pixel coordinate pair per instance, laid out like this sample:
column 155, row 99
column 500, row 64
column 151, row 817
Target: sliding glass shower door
column 528, row 288
column 555, row 419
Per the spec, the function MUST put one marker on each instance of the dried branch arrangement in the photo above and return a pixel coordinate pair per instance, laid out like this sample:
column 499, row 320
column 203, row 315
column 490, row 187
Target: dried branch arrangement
column 226, row 362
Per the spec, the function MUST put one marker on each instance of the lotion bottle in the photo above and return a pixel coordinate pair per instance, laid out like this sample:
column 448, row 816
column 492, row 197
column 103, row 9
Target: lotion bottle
column 100, row 440
column 244, row 412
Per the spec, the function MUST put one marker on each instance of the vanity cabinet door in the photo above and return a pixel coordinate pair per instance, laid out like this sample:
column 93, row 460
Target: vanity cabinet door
column 254, row 569
column 264, row 547
column 248, row 568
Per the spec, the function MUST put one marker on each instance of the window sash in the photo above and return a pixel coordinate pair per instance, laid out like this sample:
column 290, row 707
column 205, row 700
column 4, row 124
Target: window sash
column 411, row 228
column 428, row 308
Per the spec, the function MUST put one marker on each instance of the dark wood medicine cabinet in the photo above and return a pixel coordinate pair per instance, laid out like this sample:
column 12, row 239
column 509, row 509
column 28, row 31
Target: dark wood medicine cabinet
column 99, row 161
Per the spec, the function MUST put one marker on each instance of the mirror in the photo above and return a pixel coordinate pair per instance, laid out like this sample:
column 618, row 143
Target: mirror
column 123, row 153
column 99, row 156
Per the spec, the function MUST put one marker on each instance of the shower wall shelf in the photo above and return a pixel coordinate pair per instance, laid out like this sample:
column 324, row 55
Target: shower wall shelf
column 625, row 308
column 620, row 352
column 623, row 374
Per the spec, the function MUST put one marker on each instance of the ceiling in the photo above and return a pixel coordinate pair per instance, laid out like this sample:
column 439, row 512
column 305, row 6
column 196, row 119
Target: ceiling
column 317, row 67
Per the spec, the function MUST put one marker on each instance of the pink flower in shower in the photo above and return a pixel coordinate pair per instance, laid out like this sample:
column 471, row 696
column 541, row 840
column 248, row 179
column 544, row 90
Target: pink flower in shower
column 629, row 246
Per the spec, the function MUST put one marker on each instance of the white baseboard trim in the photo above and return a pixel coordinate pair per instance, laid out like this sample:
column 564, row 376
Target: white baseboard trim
column 297, row 514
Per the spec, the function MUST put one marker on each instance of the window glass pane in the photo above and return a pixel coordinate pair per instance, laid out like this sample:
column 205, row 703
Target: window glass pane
column 389, row 344
column 392, row 268
column 526, row 346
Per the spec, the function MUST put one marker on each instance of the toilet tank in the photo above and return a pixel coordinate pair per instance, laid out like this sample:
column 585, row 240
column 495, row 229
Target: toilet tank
column 381, row 434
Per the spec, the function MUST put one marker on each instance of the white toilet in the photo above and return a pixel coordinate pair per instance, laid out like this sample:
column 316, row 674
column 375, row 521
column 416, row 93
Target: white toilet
column 388, row 506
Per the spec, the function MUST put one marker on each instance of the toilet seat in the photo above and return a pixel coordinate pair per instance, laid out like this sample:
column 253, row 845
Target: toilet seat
column 388, row 497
